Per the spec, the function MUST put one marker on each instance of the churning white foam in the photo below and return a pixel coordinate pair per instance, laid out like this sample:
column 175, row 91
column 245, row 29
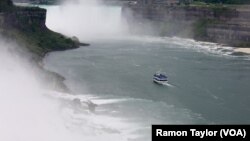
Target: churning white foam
column 199, row 46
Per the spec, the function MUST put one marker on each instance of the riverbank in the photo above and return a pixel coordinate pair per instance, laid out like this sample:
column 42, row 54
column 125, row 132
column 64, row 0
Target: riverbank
column 243, row 50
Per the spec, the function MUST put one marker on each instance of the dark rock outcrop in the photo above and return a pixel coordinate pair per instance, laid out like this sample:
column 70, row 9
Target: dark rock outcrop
column 5, row 5
column 36, row 1
column 26, row 26
column 24, row 18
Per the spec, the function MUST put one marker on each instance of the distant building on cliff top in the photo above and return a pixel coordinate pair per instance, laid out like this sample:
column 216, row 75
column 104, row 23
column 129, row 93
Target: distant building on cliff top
column 165, row 2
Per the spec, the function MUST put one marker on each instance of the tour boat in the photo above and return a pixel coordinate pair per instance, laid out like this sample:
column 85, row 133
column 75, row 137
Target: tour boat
column 160, row 78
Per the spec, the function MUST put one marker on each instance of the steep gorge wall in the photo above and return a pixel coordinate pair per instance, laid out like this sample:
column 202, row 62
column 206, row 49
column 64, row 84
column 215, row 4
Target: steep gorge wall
column 162, row 13
column 216, row 24
column 235, row 31
column 26, row 18
column 26, row 25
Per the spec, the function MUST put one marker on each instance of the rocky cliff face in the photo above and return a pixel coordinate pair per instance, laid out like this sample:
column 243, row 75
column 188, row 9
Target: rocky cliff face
column 26, row 25
column 235, row 31
column 217, row 24
column 37, row 1
column 26, row 18
column 5, row 5
column 22, row 1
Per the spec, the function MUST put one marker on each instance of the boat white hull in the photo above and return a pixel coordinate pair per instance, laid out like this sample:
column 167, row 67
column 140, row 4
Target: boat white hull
column 160, row 82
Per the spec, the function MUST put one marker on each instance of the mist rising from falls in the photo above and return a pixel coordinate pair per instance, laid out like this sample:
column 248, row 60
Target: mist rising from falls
column 29, row 112
column 86, row 19
column 25, row 113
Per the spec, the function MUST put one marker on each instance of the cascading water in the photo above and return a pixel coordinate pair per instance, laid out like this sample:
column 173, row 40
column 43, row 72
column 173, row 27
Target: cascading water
column 86, row 19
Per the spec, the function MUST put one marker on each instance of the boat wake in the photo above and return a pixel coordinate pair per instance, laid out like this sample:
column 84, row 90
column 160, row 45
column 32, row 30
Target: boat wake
column 168, row 84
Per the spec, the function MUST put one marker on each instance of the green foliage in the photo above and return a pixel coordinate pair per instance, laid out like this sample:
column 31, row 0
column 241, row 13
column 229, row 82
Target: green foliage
column 5, row 5
column 222, row 11
column 199, row 3
column 175, row 28
column 243, row 44
column 226, row 1
column 40, row 41
column 169, row 29
column 48, row 40
column 46, row 2
column 32, row 32
column 200, row 28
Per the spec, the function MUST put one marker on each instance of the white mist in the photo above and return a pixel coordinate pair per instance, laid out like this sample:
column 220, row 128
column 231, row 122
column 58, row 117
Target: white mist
column 25, row 113
column 86, row 19
column 29, row 112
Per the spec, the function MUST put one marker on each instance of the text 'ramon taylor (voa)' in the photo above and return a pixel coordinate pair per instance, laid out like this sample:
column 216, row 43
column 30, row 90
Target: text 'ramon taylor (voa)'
column 203, row 133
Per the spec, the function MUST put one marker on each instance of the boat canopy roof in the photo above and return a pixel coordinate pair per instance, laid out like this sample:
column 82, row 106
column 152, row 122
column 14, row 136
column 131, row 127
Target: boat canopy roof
column 160, row 75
